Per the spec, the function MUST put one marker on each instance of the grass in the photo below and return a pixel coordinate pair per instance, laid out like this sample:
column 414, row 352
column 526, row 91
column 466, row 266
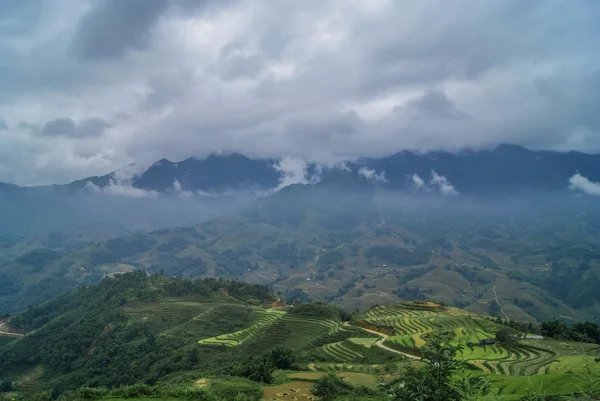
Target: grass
column 366, row 342
column 575, row 364
column 515, row 387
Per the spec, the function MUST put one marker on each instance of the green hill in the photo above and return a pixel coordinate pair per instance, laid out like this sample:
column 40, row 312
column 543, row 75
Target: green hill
column 176, row 338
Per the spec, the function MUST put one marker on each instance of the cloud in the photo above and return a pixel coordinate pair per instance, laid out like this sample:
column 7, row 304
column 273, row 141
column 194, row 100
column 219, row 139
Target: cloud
column 418, row 181
column 68, row 127
column 121, row 183
column 112, row 27
column 372, row 175
column 3, row 125
column 117, row 189
column 179, row 191
column 293, row 171
column 319, row 81
column 581, row 183
column 442, row 184
column 343, row 166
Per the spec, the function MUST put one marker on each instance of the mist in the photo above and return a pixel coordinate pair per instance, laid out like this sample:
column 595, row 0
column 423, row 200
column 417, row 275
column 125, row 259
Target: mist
column 27, row 211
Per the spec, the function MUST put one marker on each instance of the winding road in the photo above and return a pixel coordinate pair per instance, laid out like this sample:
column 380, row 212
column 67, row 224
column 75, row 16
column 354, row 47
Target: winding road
column 499, row 304
column 380, row 343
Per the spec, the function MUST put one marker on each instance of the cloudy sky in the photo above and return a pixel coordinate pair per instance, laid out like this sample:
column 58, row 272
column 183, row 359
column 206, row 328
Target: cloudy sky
column 89, row 86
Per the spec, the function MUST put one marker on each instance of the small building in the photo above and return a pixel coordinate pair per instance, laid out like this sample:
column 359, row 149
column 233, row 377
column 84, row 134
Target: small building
column 486, row 341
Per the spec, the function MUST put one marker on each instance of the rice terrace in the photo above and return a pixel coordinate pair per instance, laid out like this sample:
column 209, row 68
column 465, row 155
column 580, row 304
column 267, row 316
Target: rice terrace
column 366, row 349
column 228, row 338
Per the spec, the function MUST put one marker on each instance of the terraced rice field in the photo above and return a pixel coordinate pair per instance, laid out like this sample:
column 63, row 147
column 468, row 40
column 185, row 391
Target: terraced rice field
column 265, row 319
column 342, row 352
column 30, row 380
column 172, row 311
column 294, row 332
column 412, row 325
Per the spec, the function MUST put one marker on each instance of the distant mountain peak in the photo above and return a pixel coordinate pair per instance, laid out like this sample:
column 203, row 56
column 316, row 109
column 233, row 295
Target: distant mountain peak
column 505, row 169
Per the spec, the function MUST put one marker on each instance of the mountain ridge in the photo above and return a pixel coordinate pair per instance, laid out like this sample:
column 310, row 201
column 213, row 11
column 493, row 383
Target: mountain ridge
column 504, row 169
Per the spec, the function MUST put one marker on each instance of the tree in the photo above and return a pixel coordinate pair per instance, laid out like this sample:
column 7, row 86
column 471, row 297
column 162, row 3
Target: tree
column 437, row 379
column 283, row 358
column 5, row 385
column 504, row 337
column 441, row 365
column 329, row 387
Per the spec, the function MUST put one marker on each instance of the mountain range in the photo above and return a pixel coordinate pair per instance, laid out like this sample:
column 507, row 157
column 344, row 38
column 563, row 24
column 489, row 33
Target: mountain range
column 504, row 170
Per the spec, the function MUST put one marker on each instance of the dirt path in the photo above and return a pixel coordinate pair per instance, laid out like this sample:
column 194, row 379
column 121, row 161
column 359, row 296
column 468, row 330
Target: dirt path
column 380, row 343
column 499, row 304
column 4, row 326
column 6, row 334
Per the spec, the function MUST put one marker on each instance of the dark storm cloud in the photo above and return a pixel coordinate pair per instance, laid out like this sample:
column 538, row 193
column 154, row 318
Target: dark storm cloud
column 435, row 103
column 90, row 127
column 315, row 79
column 113, row 27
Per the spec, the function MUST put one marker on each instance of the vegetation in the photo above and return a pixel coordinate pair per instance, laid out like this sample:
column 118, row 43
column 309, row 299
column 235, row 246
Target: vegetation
column 140, row 336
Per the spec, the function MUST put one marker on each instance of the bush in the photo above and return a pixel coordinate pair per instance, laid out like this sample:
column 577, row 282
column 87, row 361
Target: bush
column 330, row 387
column 283, row 358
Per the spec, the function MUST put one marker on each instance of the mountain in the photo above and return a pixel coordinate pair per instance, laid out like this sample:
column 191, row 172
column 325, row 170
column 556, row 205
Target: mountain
column 503, row 170
column 215, row 174
column 500, row 171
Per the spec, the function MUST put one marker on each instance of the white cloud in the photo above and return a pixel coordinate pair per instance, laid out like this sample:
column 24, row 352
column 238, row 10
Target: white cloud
column 126, row 175
column 418, row 181
column 442, row 184
column 178, row 189
column 121, row 183
column 343, row 166
column 293, row 171
column 372, row 175
column 116, row 189
column 581, row 183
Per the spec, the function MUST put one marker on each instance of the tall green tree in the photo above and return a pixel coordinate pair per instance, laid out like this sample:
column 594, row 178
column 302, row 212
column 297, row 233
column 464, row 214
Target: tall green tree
column 437, row 379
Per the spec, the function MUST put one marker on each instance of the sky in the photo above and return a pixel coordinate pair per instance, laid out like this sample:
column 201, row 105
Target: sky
column 87, row 87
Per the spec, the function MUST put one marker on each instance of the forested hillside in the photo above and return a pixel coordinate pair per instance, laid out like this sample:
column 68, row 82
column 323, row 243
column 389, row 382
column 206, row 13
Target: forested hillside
column 136, row 336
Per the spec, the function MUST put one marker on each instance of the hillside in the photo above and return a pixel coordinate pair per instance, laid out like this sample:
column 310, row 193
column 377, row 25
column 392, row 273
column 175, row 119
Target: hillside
column 356, row 245
column 216, row 336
